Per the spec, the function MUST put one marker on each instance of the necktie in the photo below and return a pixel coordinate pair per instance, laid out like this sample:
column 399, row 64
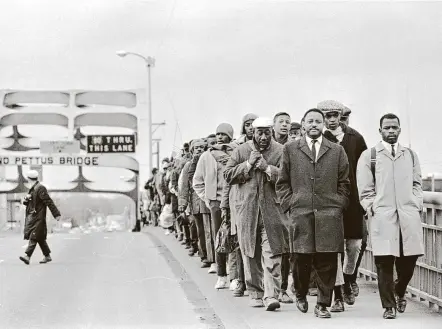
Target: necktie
column 314, row 149
column 393, row 153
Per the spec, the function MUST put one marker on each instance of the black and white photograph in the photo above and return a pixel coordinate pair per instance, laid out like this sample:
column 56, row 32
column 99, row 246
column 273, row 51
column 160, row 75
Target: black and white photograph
column 207, row 164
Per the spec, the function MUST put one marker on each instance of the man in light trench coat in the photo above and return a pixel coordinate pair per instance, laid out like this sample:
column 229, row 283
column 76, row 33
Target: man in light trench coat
column 253, row 168
column 313, row 188
column 393, row 200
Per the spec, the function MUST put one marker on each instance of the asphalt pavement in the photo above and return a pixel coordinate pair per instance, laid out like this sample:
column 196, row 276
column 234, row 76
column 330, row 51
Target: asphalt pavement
column 147, row 280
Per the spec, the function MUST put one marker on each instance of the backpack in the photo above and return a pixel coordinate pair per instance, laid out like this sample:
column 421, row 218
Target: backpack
column 373, row 161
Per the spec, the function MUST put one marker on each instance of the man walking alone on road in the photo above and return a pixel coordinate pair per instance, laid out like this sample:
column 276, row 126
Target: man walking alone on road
column 36, row 229
column 390, row 189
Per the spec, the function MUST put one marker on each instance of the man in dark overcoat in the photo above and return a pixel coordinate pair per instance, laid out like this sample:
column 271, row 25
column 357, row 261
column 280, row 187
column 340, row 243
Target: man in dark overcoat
column 313, row 187
column 253, row 168
column 36, row 229
column 353, row 144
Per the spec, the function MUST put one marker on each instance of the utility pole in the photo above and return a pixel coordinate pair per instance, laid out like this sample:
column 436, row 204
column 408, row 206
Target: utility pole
column 157, row 153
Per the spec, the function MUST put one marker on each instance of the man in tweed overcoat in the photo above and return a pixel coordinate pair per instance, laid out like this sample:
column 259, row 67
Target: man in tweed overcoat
column 313, row 187
column 253, row 168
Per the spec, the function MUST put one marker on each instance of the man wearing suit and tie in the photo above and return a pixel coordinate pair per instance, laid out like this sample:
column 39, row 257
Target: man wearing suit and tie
column 313, row 189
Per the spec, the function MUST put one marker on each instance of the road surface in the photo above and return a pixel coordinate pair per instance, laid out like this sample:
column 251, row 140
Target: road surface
column 146, row 280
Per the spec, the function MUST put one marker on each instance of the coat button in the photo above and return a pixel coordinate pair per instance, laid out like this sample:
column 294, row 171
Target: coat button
column 316, row 210
column 311, row 161
column 312, row 178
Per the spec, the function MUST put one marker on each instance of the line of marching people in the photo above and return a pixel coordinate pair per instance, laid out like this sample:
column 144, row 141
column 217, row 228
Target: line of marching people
column 288, row 198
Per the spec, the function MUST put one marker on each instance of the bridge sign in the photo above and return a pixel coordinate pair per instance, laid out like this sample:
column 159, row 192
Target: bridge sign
column 111, row 144
column 69, row 147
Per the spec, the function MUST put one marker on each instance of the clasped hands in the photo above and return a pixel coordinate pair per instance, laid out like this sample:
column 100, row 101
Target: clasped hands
column 257, row 161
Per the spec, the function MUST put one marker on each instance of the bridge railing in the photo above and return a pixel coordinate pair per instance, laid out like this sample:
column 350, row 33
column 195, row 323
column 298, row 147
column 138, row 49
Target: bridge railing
column 426, row 284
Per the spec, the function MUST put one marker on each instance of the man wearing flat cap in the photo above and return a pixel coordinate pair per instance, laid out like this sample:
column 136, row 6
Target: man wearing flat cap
column 36, row 229
column 345, row 116
column 353, row 144
column 253, row 168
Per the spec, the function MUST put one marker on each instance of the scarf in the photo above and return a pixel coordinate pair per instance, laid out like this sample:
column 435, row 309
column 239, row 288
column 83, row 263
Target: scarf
column 282, row 140
column 338, row 133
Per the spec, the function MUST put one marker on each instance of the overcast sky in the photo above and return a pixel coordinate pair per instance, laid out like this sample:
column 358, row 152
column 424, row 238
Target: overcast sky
column 217, row 60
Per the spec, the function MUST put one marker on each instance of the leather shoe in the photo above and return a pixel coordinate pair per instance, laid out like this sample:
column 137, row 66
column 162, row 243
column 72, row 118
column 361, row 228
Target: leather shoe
column 302, row 305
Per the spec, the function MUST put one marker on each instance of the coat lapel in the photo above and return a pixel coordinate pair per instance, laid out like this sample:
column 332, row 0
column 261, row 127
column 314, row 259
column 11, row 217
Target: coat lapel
column 304, row 148
column 400, row 151
column 380, row 148
column 325, row 146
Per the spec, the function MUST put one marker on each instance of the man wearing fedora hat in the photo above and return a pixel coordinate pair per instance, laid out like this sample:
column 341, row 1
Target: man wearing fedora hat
column 36, row 230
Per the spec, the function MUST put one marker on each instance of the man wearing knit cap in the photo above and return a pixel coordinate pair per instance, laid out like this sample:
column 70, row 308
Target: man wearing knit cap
column 295, row 131
column 36, row 202
column 208, row 183
column 246, row 128
column 253, row 168
column 353, row 144
column 199, row 213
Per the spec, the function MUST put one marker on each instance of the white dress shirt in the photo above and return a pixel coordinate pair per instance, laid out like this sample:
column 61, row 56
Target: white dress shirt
column 317, row 145
column 388, row 146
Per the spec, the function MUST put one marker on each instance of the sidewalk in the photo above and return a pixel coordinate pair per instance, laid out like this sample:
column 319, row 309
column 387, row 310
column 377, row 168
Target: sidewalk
column 235, row 312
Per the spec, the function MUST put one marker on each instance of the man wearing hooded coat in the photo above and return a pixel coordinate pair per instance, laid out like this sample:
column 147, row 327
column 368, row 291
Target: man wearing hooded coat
column 253, row 168
column 35, row 226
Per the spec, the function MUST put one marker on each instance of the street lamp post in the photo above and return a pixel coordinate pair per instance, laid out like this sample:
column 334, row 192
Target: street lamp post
column 150, row 62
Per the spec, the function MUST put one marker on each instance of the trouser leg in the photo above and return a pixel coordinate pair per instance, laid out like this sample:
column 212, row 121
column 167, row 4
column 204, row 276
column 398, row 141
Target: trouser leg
column 325, row 267
column 31, row 247
column 359, row 260
column 352, row 251
column 233, row 265
column 187, row 226
column 220, row 259
column 384, row 267
column 44, row 247
column 339, row 272
column 285, row 271
column 253, row 273
column 302, row 265
column 271, row 267
column 208, row 238
column 240, row 265
column 405, row 269
column 201, row 236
